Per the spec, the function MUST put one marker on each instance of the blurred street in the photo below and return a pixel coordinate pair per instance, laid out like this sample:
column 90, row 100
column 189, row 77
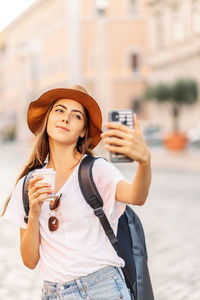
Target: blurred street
column 170, row 218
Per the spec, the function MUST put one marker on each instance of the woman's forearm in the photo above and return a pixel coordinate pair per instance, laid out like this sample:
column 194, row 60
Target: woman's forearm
column 141, row 184
column 135, row 192
column 30, row 242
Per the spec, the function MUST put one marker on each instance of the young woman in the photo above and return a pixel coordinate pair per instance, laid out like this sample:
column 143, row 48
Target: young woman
column 77, row 260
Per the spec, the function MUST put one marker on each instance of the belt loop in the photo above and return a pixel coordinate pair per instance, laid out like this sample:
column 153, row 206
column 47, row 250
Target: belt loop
column 82, row 290
column 121, row 273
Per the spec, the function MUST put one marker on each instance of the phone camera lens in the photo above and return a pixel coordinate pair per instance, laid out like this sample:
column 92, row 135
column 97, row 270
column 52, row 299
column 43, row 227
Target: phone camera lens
column 115, row 116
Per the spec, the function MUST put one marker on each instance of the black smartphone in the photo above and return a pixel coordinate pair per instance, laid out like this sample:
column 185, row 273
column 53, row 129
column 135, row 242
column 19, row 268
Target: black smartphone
column 123, row 116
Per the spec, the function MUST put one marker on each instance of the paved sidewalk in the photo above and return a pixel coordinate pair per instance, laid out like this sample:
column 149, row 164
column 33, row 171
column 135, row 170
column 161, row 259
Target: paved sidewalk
column 186, row 161
column 163, row 159
column 170, row 218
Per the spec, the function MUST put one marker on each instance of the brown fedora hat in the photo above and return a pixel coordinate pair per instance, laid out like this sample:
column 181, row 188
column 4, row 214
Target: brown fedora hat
column 38, row 109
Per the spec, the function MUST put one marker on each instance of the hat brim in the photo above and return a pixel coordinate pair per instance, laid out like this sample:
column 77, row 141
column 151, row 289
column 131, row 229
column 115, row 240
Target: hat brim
column 38, row 109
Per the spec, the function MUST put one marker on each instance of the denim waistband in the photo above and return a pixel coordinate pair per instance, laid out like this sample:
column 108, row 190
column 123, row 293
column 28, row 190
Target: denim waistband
column 90, row 279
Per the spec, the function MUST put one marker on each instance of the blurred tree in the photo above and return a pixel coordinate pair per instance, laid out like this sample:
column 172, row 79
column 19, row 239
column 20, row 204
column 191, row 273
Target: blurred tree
column 181, row 92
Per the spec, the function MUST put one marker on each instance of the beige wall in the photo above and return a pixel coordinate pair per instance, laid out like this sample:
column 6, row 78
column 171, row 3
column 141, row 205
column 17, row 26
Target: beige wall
column 51, row 45
column 174, row 43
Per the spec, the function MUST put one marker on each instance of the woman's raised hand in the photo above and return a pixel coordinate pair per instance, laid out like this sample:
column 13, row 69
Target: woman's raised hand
column 124, row 140
column 38, row 192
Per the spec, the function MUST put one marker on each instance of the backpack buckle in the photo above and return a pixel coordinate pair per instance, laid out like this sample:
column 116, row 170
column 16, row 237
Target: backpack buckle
column 99, row 212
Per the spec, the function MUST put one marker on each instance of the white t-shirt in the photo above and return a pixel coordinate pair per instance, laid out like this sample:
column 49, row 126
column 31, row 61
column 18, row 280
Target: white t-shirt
column 79, row 246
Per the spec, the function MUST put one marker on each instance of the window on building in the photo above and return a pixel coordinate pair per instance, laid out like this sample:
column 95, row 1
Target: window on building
column 195, row 16
column 159, row 30
column 135, row 62
column 101, row 6
column 177, row 26
column 133, row 6
column 136, row 105
column 177, row 31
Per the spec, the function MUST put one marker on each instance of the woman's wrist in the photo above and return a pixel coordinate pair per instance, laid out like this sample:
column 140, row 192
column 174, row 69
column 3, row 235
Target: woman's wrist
column 33, row 216
column 146, row 160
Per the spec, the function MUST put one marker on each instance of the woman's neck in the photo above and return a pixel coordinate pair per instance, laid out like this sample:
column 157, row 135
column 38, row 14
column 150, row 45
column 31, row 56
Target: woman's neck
column 63, row 159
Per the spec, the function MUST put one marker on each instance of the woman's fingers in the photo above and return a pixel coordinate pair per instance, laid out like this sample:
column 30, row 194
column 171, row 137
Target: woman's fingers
column 117, row 134
column 35, row 193
column 36, row 183
column 118, row 137
column 136, row 123
column 115, row 149
column 115, row 141
column 117, row 126
column 39, row 199
column 42, row 185
column 38, row 190
column 34, row 179
column 125, row 140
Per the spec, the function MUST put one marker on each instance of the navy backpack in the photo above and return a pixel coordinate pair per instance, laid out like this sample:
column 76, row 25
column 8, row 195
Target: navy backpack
column 130, row 240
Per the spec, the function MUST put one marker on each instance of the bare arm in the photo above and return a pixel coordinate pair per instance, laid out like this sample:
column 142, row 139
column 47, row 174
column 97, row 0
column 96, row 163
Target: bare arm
column 30, row 242
column 30, row 237
column 121, row 139
column 136, row 192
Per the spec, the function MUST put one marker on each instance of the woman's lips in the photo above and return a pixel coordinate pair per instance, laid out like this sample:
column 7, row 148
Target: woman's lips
column 63, row 128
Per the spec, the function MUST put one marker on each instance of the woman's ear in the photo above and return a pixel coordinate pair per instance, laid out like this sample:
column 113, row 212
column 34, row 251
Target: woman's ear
column 83, row 133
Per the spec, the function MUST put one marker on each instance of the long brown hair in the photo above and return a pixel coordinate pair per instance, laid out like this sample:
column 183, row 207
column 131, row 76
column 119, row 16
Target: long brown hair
column 40, row 148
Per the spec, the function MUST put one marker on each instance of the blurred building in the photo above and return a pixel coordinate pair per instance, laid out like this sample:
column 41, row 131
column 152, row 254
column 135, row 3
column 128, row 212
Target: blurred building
column 56, row 43
column 174, row 43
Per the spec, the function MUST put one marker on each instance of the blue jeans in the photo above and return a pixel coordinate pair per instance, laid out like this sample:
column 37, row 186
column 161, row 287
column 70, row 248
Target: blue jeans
column 105, row 284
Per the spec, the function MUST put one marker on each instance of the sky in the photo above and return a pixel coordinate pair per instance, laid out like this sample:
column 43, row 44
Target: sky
column 10, row 9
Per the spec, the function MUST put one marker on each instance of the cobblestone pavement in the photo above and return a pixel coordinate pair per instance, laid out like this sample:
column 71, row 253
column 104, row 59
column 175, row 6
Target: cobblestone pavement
column 170, row 218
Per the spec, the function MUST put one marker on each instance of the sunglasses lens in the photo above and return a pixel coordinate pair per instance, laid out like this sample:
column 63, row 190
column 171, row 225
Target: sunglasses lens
column 53, row 223
column 54, row 203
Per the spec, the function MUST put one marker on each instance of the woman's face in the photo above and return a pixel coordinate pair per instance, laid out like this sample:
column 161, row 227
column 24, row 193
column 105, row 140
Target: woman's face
column 66, row 122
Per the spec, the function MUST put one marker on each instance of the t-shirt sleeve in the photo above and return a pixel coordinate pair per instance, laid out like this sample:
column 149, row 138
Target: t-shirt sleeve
column 106, row 177
column 15, row 210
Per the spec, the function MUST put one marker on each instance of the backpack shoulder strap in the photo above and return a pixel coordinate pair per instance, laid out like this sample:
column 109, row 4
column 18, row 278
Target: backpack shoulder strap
column 25, row 198
column 85, row 178
column 25, row 194
column 92, row 196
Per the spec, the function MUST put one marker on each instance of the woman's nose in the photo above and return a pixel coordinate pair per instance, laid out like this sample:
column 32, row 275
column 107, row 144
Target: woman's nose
column 66, row 118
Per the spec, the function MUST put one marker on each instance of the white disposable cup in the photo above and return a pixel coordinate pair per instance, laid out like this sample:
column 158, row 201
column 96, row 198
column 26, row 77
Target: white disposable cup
column 49, row 176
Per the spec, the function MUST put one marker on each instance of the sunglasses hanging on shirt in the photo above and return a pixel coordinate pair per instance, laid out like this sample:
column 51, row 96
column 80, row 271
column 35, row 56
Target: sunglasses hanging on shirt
column 53, row 222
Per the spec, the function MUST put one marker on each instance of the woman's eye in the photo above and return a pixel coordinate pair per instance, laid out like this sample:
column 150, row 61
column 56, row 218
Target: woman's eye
column 59, row 110
column 77, row 116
